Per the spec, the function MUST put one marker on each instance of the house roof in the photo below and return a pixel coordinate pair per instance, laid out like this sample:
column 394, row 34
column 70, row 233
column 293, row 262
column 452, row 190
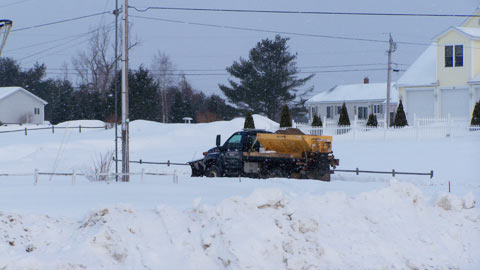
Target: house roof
column 7, row 91
column 423, row 71
column 355, row 92
column 471, row 32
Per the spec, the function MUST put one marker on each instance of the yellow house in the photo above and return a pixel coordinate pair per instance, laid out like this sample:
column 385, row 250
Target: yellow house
column 445, row 80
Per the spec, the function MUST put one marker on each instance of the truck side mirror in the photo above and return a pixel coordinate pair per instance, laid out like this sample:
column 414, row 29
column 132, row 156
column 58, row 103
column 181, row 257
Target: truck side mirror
column 218, row 140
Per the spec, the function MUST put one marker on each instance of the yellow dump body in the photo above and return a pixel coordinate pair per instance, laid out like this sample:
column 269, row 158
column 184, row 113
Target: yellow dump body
column 295, row 144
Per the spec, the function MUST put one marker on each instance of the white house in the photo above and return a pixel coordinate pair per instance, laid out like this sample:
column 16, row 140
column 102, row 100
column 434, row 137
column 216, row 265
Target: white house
column 445, row 80
column 360, row 100
column 18, row 106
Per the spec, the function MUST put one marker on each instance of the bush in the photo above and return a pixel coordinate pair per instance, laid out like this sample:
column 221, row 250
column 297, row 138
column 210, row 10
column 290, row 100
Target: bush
column 372, row 120
column 400, row 118
column 316, row 122
column 100, row 166
column 344, row 120
column 476, row 115
column 249, row 121
column 285, row 120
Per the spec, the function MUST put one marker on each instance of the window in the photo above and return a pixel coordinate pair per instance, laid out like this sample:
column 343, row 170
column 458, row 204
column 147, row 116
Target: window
column 339, row 109
column 362, row 112
column 459, row 55
column 36, row 110
column 235, row 142
column 449, row 55
column 329, row 112
column 377, row 108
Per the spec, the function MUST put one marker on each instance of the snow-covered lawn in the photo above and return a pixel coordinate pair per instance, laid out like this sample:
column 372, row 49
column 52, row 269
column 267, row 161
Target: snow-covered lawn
column 353, row 222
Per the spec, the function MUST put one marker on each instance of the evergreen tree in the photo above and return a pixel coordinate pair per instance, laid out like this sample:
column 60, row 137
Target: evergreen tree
column 476, row 115
column 317, row 121
column 344, row 120
column 267, row 79
column 285, row 120
column 400, row 118
column 372, row 120
column 249, row 121
column 143, row 98
column 177, row 111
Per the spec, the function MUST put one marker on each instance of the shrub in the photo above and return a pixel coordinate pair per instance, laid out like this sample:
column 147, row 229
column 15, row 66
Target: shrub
column 249, row 121
column 476, row 115
column 372, row 120
column 344, row 120
column 285, row 120
column 316, row 122
column 400, row 118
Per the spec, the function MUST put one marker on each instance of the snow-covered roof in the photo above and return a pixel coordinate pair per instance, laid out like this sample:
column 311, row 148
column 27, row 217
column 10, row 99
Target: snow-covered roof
column 7, row 91
column 473, row 32
column 355, row 92
column 423, row 71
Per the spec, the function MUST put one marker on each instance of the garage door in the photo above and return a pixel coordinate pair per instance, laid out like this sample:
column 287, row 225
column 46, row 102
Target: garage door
column 455, row 102
column 420, row 102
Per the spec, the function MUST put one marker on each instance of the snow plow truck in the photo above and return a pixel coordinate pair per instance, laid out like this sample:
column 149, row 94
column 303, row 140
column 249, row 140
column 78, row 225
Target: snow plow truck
column 261, row 154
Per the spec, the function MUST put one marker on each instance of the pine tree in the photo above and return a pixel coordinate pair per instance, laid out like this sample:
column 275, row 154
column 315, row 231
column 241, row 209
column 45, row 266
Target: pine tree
column 476, row 115
column 266, row 80
column 316, row 122
column 372, row 120
column 400, row 118
column 344, row 120
column 249, row 121
column 285, row 120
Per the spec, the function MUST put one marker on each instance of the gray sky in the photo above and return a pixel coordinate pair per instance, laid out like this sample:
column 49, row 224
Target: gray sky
column 212, row 49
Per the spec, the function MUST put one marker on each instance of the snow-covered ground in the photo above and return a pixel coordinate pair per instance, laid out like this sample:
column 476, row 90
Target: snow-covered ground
column 353, row 222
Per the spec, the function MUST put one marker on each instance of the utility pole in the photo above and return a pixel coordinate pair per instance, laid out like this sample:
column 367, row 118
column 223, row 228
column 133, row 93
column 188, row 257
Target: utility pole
column 116, row 13
column 392, row 46
column 125, row 121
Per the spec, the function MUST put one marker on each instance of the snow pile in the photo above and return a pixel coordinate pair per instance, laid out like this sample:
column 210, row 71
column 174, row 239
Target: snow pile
column 389, row 228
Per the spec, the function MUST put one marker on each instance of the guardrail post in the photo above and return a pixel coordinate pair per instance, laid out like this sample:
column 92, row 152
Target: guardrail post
column 25, row 131
column 356, row 171
column 393, row 173
column 431, row 174
column 74, row 176
column 143, row 173
column 35, row 176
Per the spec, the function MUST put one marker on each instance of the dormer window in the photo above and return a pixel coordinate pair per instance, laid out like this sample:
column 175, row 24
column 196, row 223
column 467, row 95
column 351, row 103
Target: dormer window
column 454, row 55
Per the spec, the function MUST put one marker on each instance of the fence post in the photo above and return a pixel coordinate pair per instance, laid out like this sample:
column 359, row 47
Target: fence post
column 355, row 128
column 35, row 176
column 25, row 131
column 74, row 176
column 174, row 176
column 53, row 129
column 143, row 173
column 416, row 126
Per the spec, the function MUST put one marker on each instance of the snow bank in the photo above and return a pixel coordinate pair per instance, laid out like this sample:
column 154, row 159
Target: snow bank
column 389, row 228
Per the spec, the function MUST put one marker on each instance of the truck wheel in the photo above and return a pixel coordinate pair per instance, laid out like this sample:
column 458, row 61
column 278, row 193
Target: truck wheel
column 212, row 171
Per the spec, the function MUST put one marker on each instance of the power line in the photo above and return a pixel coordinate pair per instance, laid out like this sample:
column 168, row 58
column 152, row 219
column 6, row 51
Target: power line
column 266, row 31
column 61, row 21
column 15, row 3
column 304, row 12
column 227, row 74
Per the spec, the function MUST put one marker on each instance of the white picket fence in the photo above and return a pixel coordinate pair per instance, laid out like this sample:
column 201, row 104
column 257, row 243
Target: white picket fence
column 421, row 128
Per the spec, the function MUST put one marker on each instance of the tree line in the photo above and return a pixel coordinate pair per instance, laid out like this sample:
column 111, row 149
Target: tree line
column 262, row 84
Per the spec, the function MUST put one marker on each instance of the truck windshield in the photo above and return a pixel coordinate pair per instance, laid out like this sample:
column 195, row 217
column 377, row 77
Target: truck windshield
column 235, row 142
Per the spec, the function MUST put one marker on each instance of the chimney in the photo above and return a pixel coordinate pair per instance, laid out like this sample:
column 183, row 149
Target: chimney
column 366, row 80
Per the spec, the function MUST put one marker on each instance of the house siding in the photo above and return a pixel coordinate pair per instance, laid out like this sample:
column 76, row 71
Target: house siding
column 454, row 76
column 352, row 109
column 19, row 108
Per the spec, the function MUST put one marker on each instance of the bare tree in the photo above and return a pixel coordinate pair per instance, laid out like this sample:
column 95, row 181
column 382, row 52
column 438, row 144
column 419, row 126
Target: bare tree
column 163, row 71
column 95, row 66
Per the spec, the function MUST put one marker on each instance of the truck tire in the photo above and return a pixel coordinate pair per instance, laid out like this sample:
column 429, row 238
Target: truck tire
column 212, row 171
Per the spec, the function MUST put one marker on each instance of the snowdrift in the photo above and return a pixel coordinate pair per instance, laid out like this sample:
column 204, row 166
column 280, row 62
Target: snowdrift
column 389, row 228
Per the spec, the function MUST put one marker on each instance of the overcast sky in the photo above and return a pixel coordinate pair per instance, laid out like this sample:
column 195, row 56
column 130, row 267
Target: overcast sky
column 209, row 50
